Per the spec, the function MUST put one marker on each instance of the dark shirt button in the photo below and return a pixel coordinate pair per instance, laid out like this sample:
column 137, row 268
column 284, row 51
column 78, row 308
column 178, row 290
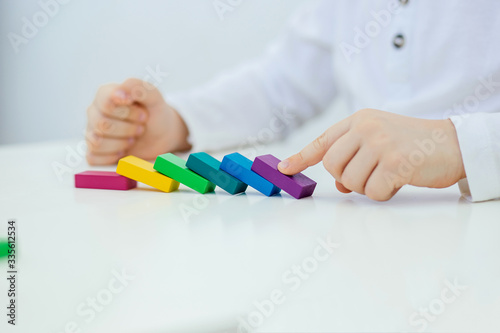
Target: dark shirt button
column 399, row 41
column 403, row 2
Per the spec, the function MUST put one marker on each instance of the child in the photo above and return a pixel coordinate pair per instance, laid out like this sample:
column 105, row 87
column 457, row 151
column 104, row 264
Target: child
column 432, row 66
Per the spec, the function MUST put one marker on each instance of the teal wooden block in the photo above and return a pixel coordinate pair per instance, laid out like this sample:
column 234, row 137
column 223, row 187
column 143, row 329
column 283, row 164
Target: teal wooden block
column 209, row 168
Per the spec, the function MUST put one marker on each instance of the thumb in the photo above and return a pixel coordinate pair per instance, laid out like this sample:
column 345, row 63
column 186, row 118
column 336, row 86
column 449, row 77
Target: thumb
column 137, row 91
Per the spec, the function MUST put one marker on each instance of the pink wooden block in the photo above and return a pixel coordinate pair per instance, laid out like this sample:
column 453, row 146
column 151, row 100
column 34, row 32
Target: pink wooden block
column 104, row 180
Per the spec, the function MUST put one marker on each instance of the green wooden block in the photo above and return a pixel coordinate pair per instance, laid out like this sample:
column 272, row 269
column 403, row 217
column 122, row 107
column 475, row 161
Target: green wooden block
column 4, row 249
column 175, row 168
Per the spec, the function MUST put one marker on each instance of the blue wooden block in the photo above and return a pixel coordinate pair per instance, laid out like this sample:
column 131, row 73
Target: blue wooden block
column 240, row 167
column 209, row 167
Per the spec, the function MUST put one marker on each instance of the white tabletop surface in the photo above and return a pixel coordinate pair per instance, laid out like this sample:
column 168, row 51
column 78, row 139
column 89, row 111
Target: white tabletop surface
column 205, row 272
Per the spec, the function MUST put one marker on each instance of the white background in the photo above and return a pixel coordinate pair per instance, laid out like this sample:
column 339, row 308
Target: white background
column 47, row 85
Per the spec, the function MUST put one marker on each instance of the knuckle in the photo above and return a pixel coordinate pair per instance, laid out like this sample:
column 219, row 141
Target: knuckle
column 327, row 164
column 132, row 81
column 348, row 181
column 392, row 162
column 90, row 158
column 93, row 113
column 378, row 142
column 103, row 89
column 149, row 86
column 377, row 194
column 138, row 88
column 90, row 146
column 321, row 142
column 97, row 133
column 94, row 141
column 370, row 191
column 105, row 125
column 367, row 125
column 100, row 89
column 121, row 112
column 138, row 93
column 331, row 167
column 300, row 157
column 135, row 130
column 362, row 113
column 91, row 143
column 383, row 197
column 380, row 197
column 372, row 145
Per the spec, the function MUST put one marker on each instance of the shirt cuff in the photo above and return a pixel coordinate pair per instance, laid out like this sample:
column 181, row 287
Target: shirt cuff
column 480, row 155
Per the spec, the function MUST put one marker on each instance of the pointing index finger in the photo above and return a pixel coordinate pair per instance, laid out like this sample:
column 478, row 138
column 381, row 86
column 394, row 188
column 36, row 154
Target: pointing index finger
column 313, row 153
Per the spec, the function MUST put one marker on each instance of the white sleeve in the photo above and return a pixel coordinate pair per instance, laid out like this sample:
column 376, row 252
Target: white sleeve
column 479, row 139
column 263, row 100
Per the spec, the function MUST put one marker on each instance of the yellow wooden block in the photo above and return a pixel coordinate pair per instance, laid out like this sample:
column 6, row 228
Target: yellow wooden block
column 137, row 169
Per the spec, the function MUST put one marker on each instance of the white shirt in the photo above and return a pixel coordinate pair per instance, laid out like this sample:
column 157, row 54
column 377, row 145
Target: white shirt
column 447, row 66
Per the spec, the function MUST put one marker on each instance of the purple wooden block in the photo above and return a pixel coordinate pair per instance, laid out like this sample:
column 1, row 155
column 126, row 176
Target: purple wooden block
column 298, row 186
column 104, row 180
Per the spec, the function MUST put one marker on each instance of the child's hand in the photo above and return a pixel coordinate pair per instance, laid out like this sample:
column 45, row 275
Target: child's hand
column 132, row 118
column 376, row 153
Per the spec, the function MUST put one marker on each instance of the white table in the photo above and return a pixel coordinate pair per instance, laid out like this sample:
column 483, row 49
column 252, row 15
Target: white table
column 203, row 273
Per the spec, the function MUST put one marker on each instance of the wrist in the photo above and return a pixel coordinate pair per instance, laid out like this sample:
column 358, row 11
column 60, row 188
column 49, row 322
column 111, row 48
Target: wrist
column 453, row 146
column 177, row 132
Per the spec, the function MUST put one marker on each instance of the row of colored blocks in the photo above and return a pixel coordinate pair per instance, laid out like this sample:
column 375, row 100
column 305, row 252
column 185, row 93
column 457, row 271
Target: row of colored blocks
column 202, row 173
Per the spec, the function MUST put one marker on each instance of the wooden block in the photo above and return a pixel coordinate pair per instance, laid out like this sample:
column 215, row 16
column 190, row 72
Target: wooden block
column 209, row 168
column 104, row 180
column 4, row 248
column 143, row 171
column 298, row 186
column 175, row 168
column 239, row 167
